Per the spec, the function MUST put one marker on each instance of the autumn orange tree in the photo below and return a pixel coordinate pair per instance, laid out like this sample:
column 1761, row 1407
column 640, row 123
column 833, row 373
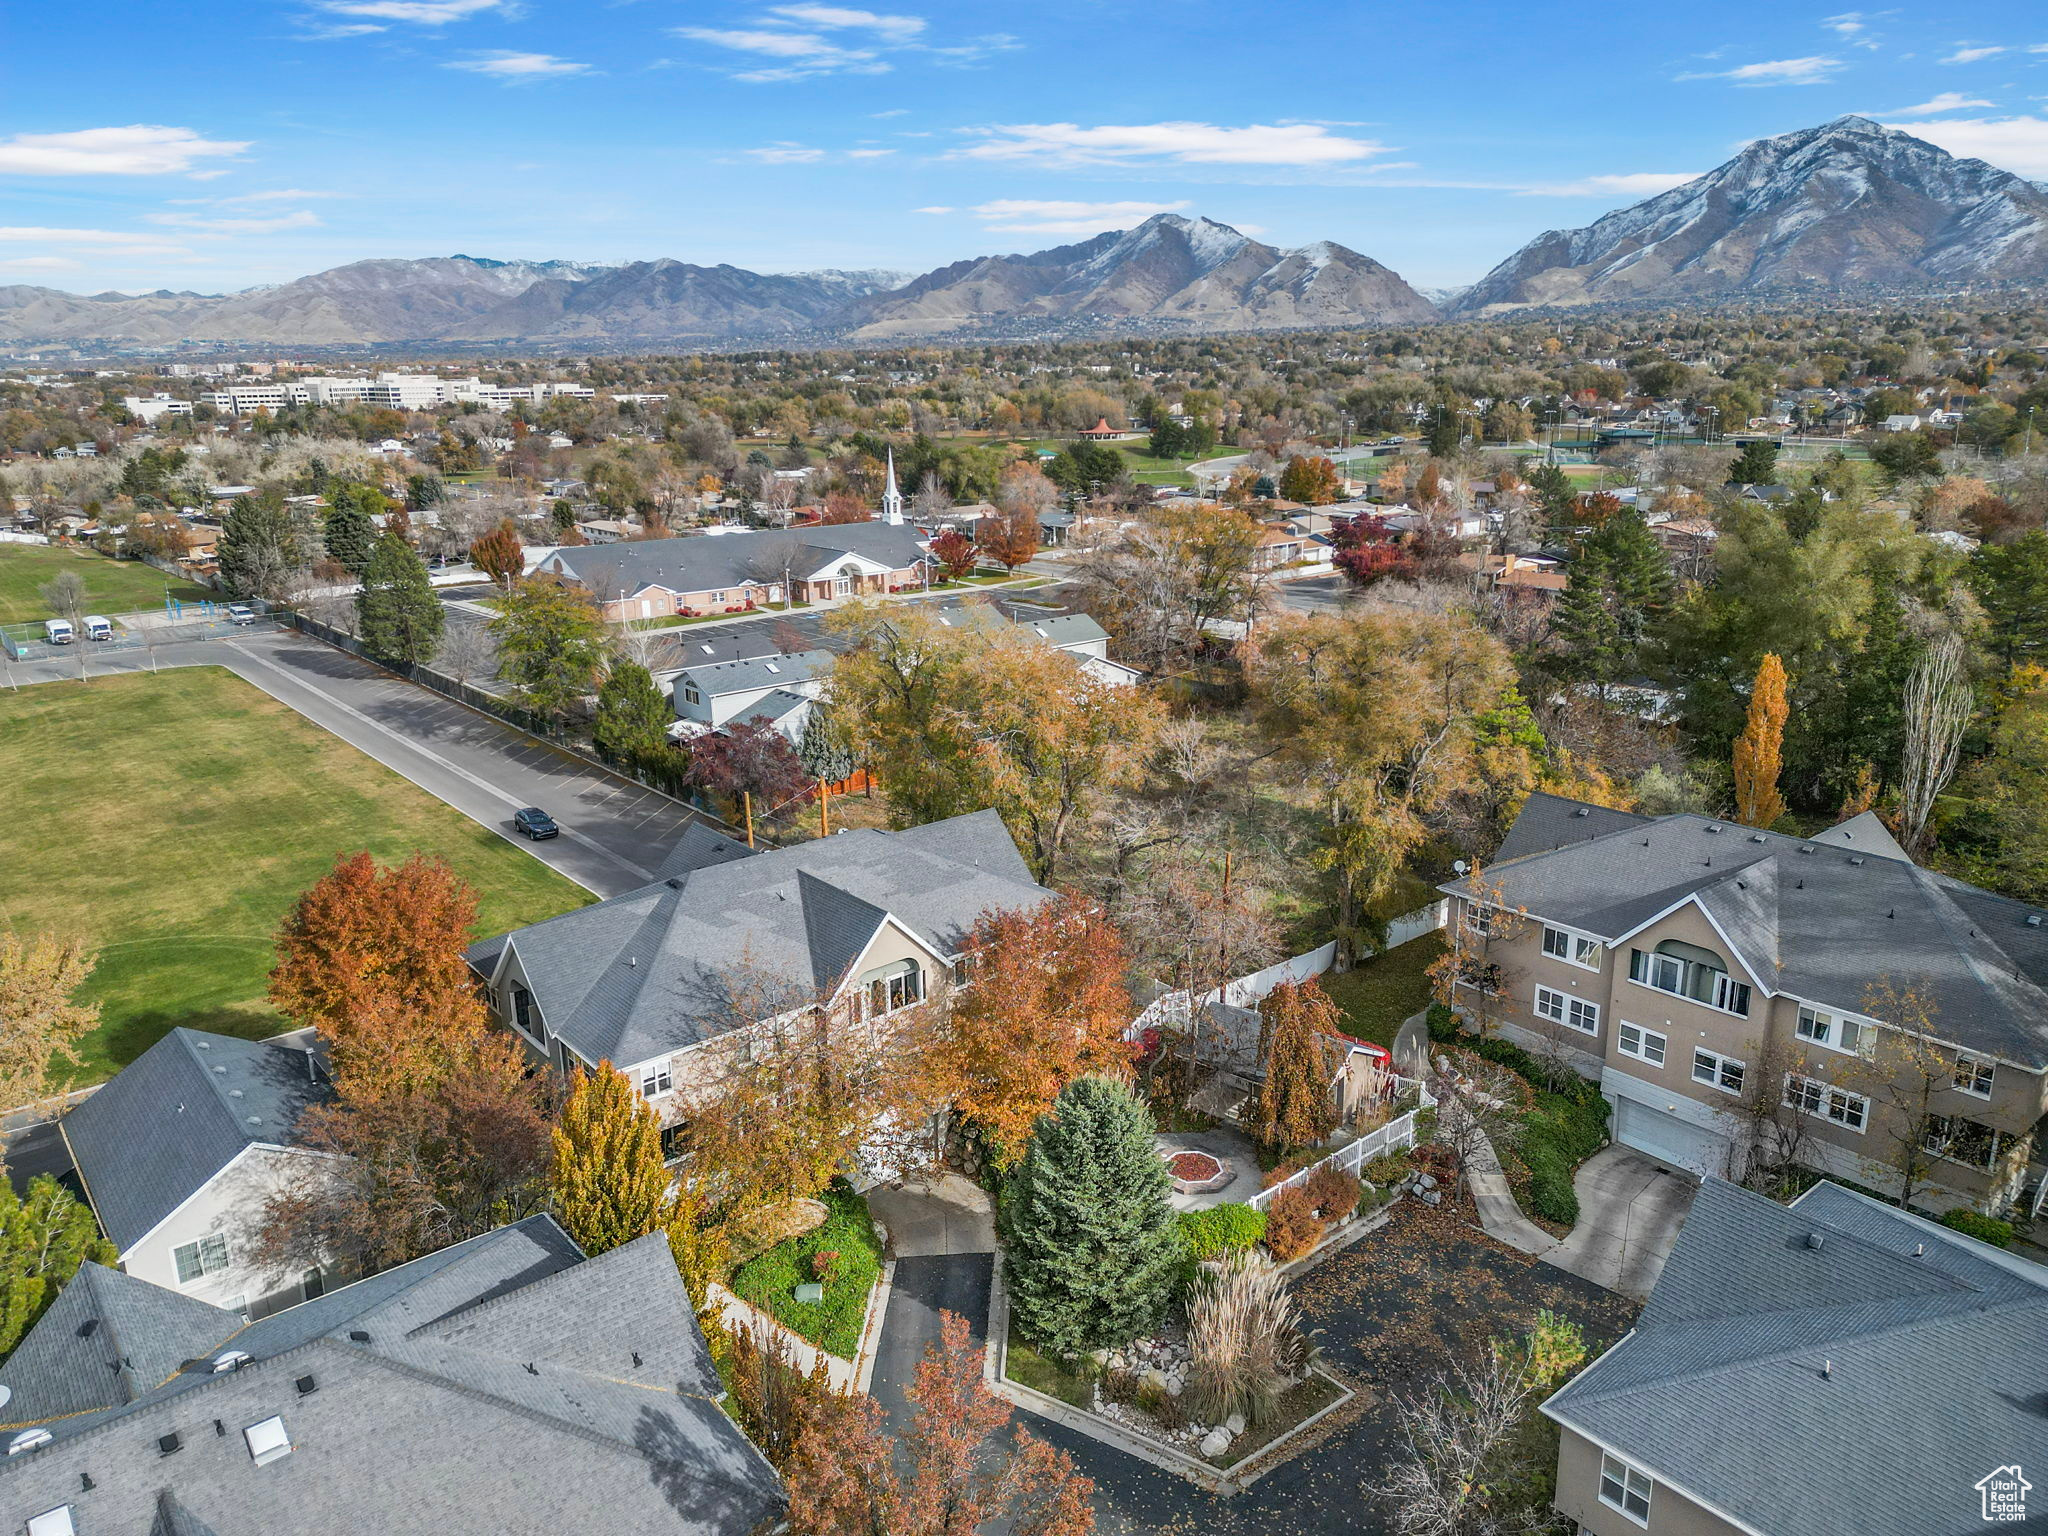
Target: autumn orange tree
column 1294, row 1106
column 1046, row 1004
column 956, row 1474
column 41, row 1021
column 1759, row 750
column 1311, row 479
column 499, row 554
column 1010, row 538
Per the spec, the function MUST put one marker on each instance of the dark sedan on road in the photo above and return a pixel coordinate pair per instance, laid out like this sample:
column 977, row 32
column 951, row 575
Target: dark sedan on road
column 535, row 823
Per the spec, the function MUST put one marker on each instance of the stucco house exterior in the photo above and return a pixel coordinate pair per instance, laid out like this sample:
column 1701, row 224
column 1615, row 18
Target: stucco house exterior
column 1837, row 1367
column 668, row 982
column 179, row 1152
column 1709, row 975
column 714, row 573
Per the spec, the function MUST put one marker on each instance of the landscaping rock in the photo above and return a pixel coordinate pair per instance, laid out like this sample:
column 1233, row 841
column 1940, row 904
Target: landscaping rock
column 1152, row 1376
column 1217, row 1441
column 1425, row 1181
column 1432, row 1197
column 1235, row 1424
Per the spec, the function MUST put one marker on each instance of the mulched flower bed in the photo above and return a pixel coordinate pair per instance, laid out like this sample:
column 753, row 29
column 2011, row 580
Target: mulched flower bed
column 1193, row 1167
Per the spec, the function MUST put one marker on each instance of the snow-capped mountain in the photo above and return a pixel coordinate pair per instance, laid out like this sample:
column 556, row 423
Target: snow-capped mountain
column 1186, row 273
column 1850, row 204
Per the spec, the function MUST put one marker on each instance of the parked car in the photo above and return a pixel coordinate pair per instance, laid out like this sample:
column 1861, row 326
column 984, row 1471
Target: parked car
column 535, row 823
column 98, row 627
column 241, row 613
column 59, row 631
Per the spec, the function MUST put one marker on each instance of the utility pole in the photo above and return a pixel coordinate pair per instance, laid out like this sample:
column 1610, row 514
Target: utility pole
column 824, row 812
column 747, row 803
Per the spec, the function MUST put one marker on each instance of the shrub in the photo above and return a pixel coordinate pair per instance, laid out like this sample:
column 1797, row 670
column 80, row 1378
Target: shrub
column 1442, row 1023
column 1288, row 1167
column 1986, row 1229
column 1244, row 1341
column 1334, row 1193
column 1387, row 1169
column 1561, row 1131
column 1291, row 1225
column 1220, row 1229
column 1126, row 1387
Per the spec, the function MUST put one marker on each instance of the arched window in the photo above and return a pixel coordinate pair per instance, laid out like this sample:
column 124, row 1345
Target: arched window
column 1687, row 970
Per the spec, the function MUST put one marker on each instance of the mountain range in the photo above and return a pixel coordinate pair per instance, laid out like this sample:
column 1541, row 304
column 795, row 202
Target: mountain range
column 1849, row 206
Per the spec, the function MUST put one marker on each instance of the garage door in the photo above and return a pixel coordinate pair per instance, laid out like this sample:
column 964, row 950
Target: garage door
column 1670, row 1139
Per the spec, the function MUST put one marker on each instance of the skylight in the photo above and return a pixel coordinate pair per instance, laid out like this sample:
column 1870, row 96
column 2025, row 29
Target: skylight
column 52, row 1522
column 268, row 1441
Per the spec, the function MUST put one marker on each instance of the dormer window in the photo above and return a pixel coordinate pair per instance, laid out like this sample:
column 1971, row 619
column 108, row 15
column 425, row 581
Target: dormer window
column 1688, row 971
column 889, row 987
column 1975, row 1076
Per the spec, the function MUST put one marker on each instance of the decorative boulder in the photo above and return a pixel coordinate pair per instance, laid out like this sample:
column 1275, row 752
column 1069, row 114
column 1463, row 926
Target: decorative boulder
column 1217, row 1441
column 1235, row 1424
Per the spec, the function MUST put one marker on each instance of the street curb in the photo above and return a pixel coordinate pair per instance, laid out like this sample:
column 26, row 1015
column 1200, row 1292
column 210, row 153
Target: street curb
column 871, row 1329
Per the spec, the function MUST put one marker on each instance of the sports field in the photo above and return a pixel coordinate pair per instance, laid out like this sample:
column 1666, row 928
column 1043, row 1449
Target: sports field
column 111, row 586
column 172, row 819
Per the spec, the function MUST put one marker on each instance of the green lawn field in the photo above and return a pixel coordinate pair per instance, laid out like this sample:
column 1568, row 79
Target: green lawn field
column 172, row 819
column 111, row 586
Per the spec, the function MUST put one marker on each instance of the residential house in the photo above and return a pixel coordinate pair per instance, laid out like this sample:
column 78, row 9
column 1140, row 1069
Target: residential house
column 1835, row 1366
column 178, row 1153
column 657, row 578
column 671, row 982
column 1075, row 633
column 505, row 1385
column 1700, row 970
column 1902, row 422
column 761, row 690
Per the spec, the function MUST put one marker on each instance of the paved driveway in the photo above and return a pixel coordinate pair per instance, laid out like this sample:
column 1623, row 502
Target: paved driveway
column 1630, row 1210
column 615, row 832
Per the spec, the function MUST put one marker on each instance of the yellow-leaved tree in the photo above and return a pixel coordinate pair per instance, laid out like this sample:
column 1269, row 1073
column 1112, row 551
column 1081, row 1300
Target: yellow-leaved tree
column 1759, row 750
column 607, row 1181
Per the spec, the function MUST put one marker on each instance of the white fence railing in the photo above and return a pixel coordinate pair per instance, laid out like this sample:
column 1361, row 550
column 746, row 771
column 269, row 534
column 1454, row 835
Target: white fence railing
column 1413, row 925
column 15, row 536
column 1391, row 1137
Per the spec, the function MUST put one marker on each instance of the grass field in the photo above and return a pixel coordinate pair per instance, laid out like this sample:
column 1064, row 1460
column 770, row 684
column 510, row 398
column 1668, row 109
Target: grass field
column 111, row 586
column 1377, row 994
column 173, row 819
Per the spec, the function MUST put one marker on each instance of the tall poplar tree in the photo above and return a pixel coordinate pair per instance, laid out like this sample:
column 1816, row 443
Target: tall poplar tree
column 607, row 1180
column 1759, row 750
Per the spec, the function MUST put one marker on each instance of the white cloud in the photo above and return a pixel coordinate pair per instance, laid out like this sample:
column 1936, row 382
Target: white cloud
column 140, row 149
column 806, row 53
column 2016, row 144
column 1052, row 217
column 128, row 242
column 868, row 154
column 1848, row 24
column 519, row 68
column 425, row 13
column 275, row 195
column 785, row 154
column 1178, row 143
column 1629, row 184
column 935, row 208
column 1946, row 101
column 892, row 112
column 1814, row 70
column 1970, row 55
column 301, row 219
column 40, row 264
column 831, row 17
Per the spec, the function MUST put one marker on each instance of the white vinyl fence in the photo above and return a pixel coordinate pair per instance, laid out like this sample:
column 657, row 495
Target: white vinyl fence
column 1391, row 1137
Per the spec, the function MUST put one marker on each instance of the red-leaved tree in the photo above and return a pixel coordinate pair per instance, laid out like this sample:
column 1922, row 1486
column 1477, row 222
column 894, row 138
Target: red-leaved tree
column 843, row 1479
column 955, row 553
column 1368, row 550
column 749, row 759
column 499, row 554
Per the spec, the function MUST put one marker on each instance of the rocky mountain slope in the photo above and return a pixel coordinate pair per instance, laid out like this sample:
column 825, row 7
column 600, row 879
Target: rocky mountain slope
column 1848, row 205
column 1190, row 273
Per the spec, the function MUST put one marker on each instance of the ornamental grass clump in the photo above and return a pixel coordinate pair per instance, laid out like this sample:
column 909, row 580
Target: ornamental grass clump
column 1244, row 1340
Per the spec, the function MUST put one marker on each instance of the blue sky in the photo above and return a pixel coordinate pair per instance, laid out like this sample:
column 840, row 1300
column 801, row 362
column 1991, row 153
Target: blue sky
column 224, row 144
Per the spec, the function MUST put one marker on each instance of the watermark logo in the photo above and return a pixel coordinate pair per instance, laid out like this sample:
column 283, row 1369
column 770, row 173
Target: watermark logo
column 2005, row 1495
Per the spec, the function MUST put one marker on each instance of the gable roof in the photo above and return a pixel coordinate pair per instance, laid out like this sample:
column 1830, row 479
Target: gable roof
column 1763, row 1356
column 727, row 938
column 1819, row 919
column 709, row 562
column 172, row 1119
column 483, row 1389
column 771, row 671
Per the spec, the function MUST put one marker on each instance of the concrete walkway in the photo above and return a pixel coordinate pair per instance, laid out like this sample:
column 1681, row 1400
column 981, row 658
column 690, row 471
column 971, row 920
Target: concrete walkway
column 1630, row 1210
column 947, row 1214
column 1499, row 1215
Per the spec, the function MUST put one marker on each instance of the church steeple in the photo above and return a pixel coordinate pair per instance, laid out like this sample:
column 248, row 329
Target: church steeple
column 892, row 498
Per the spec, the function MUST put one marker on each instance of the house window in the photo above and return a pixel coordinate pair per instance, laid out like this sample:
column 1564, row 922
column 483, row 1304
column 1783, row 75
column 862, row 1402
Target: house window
column 1960, row 1140
column 1833, row 1031
column 1571, row 948
column 1974, row 1076
column 1686, row 970
column 1810, row 1096
column 671, row 1142
column 1479, row 920
column 891, row 987
column 692, row 694
column 195, row 1261
column 524, row 1014
column 655, row 1080
column 1626, row 1488
column 1643, row 1044
column 1572, row 1012
column 1718, row 1071
column 268, row 1441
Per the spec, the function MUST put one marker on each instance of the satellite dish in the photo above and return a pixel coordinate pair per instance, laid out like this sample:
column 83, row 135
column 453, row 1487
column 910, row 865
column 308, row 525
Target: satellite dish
column 1460, row 866
column 6, row 1396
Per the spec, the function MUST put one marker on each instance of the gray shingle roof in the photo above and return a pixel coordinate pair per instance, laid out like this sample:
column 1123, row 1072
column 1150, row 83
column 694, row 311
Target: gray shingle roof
column 771, row 671
column 725, row 943
column 709, row 562
column 1861, row 1386
column 178, row 1114
column 1551, row 821
column 1820, row 921
column 506, row 1385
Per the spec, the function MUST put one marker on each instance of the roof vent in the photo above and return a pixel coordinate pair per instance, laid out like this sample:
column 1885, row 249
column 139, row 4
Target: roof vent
column 675, row 882
column 1583, row 811
column 88, row 1328
column 306, row 1385
column 1919, row 1250
column 2033, row 919
column 220, row 1071
column 169, row 1445
column 234, row 1093
column 204, row 1045
column 1827, row 1370
column 255, row 1119
column 1809, row 847
column 230, row 1360
column 359, row 1336
column 772, row 668
column 1715, row 828
column 1756, row 837
column 28, row 1440
column 1856, row 859
column 1816, row 1241
column 632, row 960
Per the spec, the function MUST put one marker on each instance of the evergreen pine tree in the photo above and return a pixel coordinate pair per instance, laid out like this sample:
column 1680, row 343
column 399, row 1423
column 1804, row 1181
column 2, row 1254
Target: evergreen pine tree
column 1756, row 464
column 632, row 716
column 824, row 751
column 1090, row 1250
column 397, row 611
column 1638, row 577
column 259, row 546
column 607, row 1181
column 1444, row 435
column 1584, row 623
column 44, row 1236
column 349, row 534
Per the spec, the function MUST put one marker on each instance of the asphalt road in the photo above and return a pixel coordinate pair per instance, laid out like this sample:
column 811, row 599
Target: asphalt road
column 1315, row 594
column 615, row 832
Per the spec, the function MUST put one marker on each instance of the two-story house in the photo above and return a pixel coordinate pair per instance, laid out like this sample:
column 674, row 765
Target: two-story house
column 772, row 690
column 667, row 982
column 179, row 1153
column 1837, row 1366
column 1680, row 960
